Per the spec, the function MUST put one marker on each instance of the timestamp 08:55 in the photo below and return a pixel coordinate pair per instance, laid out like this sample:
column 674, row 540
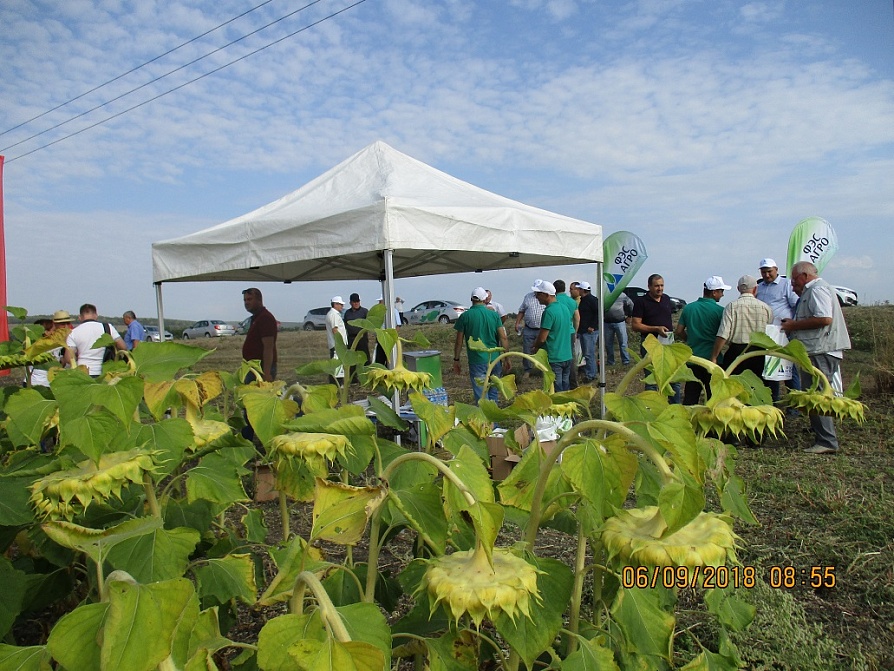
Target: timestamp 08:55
column 708, row 577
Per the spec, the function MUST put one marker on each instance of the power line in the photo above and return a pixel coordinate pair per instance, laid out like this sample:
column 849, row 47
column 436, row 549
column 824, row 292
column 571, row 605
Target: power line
column 132, row 70
column 160, row 77
column 191, row 81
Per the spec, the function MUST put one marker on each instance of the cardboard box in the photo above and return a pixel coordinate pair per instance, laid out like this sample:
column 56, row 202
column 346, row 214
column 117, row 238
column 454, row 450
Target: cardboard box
column 502, row 460
column 265, row 487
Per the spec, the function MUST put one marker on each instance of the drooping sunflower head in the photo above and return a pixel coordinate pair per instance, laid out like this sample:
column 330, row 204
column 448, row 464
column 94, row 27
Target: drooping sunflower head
column 708, row 540
column 311, row 447
column 732, row 416
column 466, row 582
column 841, row 407
column 398, row 379
column 64, row 494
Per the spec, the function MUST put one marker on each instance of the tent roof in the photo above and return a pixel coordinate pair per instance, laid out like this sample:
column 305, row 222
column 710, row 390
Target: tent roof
column 337, row 226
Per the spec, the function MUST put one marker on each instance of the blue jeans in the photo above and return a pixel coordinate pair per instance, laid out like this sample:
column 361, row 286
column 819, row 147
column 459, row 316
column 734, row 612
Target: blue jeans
column 562, row 369
column 529, row 335
column 588, row 345
column 478, row 370
column 619, row 330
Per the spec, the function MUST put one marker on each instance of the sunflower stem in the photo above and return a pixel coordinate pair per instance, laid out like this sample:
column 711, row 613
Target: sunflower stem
column 578, row 590
column 373, row 558
column 284, row 516
column 330, row 616
column 151, row 500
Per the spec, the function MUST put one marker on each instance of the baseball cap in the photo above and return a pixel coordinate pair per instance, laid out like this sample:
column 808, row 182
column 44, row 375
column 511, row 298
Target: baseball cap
column 746, row 283
column 584, row 285
column 715, row 282
column 62, row 317
column 480, row 294
column 355, row 298
column 543, row 287
column 337, row 299
column 768, row 263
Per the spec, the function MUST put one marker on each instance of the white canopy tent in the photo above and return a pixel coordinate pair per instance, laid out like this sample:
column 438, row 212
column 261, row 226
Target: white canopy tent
column 378, row 215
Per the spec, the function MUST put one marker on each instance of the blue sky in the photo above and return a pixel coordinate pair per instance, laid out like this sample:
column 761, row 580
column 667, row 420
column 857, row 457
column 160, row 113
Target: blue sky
column 708, row 128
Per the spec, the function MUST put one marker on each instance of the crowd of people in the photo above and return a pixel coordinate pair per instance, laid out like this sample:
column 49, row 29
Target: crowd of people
column 566, row 327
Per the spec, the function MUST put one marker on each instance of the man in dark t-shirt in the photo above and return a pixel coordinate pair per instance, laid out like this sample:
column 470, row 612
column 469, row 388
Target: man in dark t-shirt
column 653, row 314
column 356, row 311
column 260, row 341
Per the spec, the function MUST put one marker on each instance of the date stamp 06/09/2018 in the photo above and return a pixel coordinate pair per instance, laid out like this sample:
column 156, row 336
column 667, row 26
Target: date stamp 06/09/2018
column 708, row 577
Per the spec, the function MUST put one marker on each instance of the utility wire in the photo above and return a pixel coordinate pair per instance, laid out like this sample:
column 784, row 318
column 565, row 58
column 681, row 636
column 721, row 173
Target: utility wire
column 132, row 70
column 191, row 81
column 160, row 77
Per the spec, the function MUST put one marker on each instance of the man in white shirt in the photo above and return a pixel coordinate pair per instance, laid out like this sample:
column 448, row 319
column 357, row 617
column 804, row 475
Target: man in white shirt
column 335, row 324
column 82, row 338
column 777, row 292
column 335, row 328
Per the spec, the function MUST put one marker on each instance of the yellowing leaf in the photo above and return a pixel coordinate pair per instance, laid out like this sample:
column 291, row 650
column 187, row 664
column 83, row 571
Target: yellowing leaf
column 341, row 511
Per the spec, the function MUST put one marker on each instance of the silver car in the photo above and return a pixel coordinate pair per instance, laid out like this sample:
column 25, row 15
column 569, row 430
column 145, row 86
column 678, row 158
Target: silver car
column 209, row 328
column 152, row 334
column 429, row 312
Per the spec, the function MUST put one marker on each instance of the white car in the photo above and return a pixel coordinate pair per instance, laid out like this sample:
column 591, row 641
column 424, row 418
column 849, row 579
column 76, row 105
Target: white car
column 846, row 296
column 209, row 328
column 152, row 334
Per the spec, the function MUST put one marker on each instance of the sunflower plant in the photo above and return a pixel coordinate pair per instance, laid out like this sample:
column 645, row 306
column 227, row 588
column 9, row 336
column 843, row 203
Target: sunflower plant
column 411, row 556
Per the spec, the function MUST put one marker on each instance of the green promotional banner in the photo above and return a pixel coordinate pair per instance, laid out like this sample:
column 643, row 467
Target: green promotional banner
column 623, row 255
column 814, row 240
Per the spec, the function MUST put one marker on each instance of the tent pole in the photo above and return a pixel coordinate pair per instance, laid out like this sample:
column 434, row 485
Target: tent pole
column 600, row 294
column 388, row 295
column 159, row 306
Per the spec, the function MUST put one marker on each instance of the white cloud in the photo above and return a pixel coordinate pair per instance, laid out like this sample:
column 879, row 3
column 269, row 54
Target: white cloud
column 852, row 263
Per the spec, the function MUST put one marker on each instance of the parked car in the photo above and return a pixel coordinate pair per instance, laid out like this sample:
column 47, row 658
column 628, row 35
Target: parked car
column 242, row 327
column 846, row 296
column 152, row 334
column 677, row 304
column 315, row 320
column 209, row 328
column 428, row 312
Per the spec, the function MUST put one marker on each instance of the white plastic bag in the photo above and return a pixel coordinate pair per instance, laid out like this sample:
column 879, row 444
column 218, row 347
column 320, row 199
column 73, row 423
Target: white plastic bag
column 776, row 369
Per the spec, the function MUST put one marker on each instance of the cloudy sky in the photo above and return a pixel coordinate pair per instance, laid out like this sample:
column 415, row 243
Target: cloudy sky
column 707, row 127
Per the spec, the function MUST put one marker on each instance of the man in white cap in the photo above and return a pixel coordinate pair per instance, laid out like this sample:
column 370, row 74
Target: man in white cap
column 527, row 323
column 335, row 327
column 777, row 292
column 555, row 334
column 697, row 327
column 740, row 319
column 480, row 323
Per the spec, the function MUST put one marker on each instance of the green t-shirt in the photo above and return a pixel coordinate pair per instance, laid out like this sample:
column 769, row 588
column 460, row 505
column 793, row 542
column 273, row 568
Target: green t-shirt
column 558, row 343
column 483, row 324
column 701, row 319
column 570, row 305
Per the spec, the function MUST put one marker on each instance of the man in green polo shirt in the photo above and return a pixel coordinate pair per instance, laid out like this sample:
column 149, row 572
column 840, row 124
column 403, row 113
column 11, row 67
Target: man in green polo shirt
column 697, row 327
column 479, row 323
column 555, row 334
